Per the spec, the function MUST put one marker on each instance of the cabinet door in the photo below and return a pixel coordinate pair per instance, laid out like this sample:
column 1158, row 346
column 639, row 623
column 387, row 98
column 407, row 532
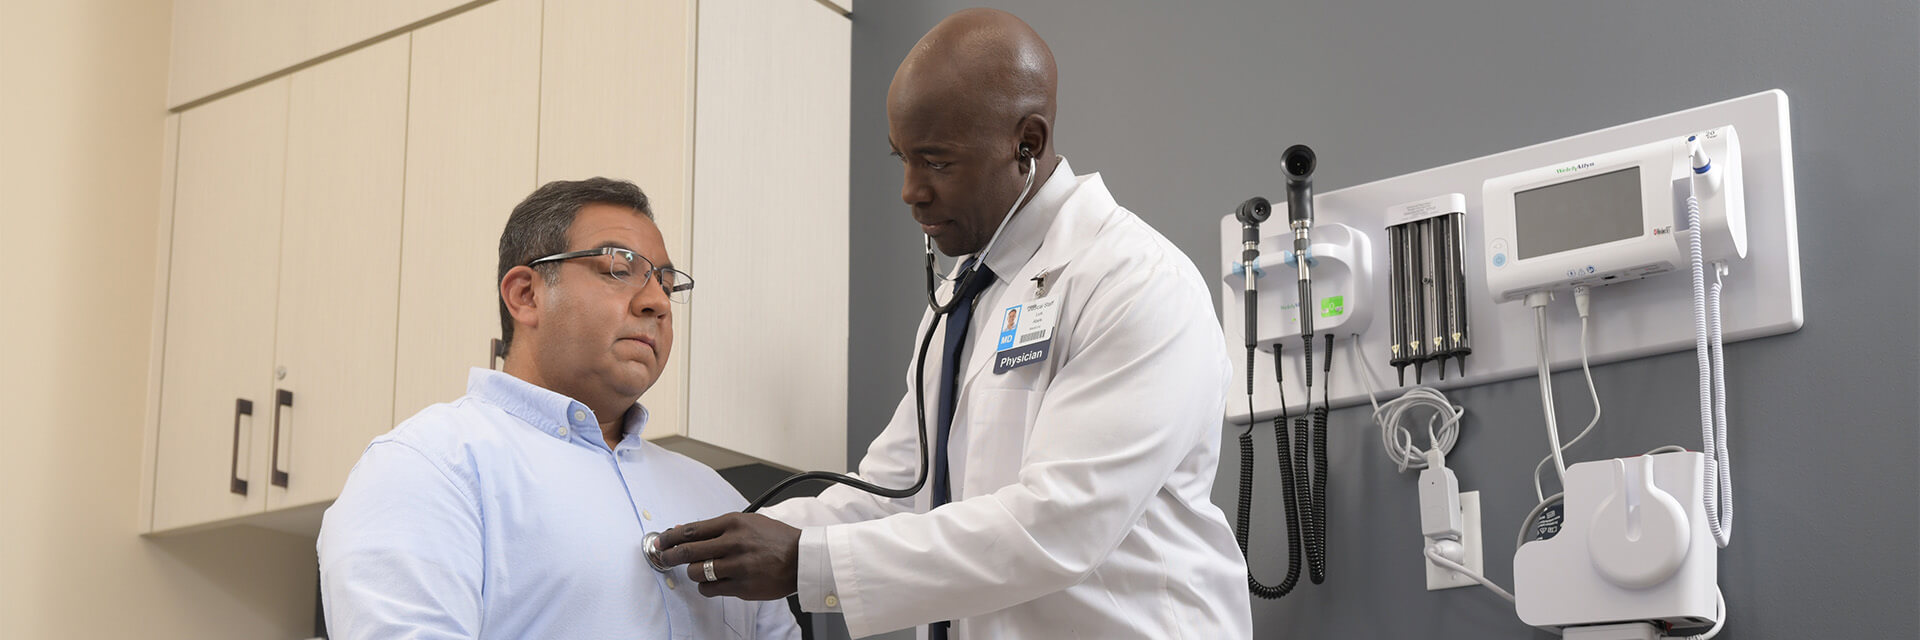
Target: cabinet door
column 215, row 392
column 616, row 90
column 339, row 271
column 219, row 44
column 773, row 79
column 471, row 136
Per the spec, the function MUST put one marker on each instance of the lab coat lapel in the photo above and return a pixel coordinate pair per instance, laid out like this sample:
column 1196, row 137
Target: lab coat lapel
column 1081, row 218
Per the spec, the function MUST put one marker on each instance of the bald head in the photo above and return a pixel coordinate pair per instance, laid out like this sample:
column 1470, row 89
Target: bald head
column 984, row 65
column 971, row 112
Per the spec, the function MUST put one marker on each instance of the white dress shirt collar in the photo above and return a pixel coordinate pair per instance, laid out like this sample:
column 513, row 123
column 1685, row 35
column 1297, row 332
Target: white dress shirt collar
column 544, row 409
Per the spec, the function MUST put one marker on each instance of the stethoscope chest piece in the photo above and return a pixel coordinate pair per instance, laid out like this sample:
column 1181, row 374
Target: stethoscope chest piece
column 650, row 545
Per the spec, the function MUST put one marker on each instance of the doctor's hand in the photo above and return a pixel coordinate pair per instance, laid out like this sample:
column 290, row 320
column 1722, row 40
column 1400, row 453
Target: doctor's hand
column 748, row 555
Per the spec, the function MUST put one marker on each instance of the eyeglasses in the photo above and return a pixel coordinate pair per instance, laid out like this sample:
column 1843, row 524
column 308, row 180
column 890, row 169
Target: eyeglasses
column 624, row 264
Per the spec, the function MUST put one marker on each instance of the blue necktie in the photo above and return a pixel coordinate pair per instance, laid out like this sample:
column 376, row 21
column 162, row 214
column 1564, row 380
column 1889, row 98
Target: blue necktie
column 958, row 322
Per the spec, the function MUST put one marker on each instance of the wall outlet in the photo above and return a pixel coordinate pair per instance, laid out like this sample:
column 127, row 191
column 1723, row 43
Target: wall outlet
column 1439, row 577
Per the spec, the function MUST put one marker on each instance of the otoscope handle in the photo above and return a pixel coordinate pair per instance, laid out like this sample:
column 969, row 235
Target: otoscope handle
column 1252, row 310
column 1250, row 214
column 1298, row 162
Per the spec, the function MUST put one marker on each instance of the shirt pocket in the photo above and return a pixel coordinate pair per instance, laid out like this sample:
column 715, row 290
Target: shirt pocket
column 739, row 616
column 997, row 422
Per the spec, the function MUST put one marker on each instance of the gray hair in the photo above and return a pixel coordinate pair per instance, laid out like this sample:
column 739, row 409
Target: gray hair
column 539, row 224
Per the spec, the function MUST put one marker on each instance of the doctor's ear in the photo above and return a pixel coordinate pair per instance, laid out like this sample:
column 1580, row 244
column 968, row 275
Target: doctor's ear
column 1031, row 137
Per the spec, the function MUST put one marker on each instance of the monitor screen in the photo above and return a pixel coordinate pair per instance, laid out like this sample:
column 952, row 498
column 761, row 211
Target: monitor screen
column 1577, row 213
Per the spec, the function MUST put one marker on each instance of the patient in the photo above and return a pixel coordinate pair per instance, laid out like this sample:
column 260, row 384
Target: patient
column 517, row 510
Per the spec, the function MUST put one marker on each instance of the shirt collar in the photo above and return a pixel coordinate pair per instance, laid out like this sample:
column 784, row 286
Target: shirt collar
column 1023, row 234
column 543, row 409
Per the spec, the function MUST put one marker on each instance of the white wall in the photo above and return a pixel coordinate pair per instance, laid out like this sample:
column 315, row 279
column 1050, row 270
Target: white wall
column 82, row 93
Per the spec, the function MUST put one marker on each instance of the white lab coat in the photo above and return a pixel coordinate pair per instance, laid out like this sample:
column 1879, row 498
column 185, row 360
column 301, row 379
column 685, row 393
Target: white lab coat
column 1081, row 484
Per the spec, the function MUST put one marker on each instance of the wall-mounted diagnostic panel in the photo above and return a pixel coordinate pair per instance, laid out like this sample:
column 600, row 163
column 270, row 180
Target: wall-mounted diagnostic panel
column 1669, row 234
column 1602, row 208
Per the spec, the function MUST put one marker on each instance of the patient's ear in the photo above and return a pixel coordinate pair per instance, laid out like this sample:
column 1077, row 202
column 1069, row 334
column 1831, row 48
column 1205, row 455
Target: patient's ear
column 521, row 290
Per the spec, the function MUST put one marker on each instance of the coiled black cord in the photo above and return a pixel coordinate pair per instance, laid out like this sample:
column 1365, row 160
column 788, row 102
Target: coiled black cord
column 1303, row 484
column 1316, row 533
column 1243, row 527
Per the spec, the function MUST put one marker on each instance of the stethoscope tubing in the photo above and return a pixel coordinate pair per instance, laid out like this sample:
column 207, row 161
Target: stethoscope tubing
column 650, row 543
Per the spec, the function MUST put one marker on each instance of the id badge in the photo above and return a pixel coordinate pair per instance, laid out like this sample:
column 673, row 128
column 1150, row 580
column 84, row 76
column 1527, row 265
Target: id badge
column 1026, row 333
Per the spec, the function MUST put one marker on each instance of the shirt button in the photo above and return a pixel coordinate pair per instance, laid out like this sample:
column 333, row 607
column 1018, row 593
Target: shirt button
column 646, row 514
column 579, row 415
column 670, row 584
column 562, row 431
column 832, row 601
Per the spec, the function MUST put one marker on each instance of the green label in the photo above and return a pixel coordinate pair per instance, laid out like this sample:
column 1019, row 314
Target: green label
column 1332, row 306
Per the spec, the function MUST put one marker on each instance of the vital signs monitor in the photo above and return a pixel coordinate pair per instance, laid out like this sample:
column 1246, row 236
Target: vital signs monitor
column 1608, row 218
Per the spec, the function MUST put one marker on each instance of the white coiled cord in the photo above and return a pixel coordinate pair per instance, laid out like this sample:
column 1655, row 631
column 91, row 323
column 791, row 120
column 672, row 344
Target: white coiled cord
column 1723, row 501
column 1707, row 343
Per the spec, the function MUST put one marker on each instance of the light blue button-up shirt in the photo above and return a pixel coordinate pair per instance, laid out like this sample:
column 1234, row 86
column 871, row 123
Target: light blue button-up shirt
column 504, row 515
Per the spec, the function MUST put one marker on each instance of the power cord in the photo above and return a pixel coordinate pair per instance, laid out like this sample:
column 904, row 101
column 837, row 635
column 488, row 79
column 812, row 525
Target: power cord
column 1538, row 302
column 1581, row 302
column 1526, row 524
column 1434, row 554
column 1720, row 599
column 1392, row 416
column 1397, row 440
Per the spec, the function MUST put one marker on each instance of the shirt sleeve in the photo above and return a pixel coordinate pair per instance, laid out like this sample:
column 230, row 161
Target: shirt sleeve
column 817, row 592
column 401, row 551
column 1143, row 384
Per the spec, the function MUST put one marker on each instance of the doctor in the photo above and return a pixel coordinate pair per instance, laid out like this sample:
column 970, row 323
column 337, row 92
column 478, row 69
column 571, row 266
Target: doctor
column 1074, row 457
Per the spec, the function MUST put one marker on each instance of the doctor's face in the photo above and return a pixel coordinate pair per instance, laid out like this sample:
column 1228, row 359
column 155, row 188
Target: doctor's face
column 962, row 171
column 607, row 339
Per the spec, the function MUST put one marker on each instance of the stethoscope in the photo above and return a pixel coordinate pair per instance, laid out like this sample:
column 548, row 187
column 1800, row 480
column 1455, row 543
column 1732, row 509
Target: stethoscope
column 650, row 543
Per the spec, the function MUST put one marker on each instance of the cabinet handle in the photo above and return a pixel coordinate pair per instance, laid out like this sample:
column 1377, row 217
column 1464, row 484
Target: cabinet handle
column 282, row 398
column 241, row 407
column 494, row 355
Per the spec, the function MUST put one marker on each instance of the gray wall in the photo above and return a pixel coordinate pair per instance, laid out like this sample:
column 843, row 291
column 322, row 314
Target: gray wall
column 1183, row 105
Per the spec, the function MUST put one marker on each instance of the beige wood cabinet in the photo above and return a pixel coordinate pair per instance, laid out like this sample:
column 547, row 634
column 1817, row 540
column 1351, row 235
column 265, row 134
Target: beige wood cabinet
column 732, row 115
column 473, row 124
column 217, row 386
column 770, row 232
column 339, row 270
column 282, row 282
column 222, row 44
column 330, row 259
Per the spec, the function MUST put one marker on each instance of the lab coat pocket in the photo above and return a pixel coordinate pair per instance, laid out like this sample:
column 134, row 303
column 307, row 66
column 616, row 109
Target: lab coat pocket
column 997, row 426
